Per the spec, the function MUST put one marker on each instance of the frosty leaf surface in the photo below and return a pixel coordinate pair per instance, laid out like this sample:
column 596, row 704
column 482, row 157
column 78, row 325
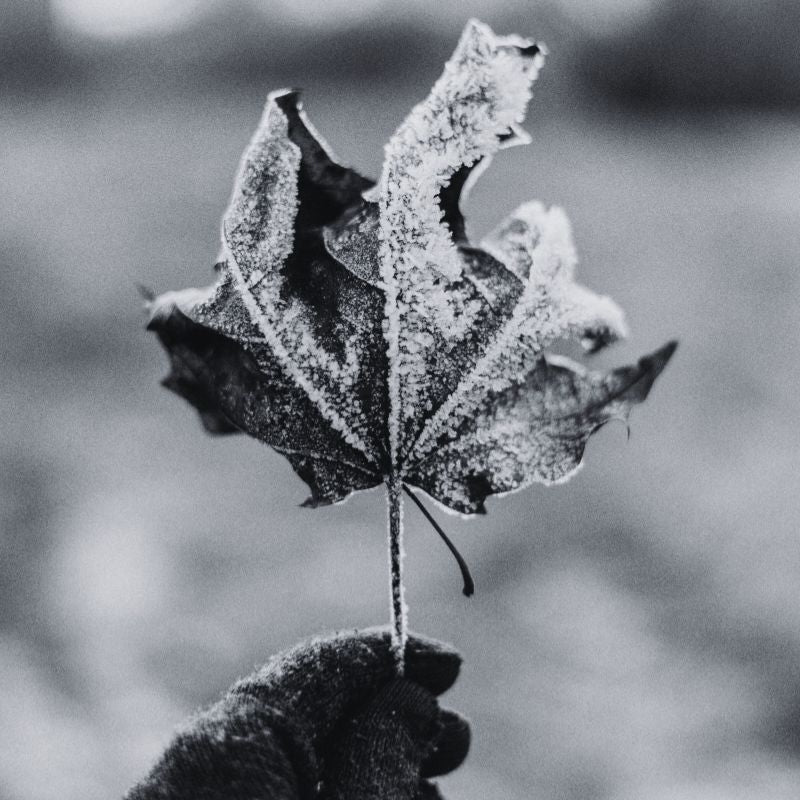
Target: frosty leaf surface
column 315, row 316
column 534, row 430
column 438, row 317
column 535, row 245
column 246, row 389
column 356, row 329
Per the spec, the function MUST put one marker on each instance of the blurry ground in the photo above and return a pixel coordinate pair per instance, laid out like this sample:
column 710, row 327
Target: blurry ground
column 635, row 633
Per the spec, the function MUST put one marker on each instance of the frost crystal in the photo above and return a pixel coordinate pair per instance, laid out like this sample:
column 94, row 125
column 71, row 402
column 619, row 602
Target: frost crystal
column 433, row 305
column 355, row 329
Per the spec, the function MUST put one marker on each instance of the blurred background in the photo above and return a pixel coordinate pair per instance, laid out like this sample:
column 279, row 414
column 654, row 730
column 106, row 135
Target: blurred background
column 636, row 632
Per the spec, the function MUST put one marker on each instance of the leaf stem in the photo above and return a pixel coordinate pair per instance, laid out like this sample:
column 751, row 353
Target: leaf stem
column 469, row 584
column 394, row 499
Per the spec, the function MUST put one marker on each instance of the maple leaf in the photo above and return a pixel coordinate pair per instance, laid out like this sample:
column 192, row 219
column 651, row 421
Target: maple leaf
column 356, row 329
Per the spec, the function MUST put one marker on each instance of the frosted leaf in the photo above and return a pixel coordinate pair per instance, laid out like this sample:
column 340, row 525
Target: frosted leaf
column 314, row 315
column 356, row 329
column 236, row 384
column 297, row 331
column 534, row 430
column 534, row 244
column 436, row 316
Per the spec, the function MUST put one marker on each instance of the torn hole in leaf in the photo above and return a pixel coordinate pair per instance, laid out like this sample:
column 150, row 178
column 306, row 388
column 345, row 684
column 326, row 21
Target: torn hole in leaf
column 454, row 194
column 456, row 191
column 587, row 342
column 594, row 340
column 569, row 348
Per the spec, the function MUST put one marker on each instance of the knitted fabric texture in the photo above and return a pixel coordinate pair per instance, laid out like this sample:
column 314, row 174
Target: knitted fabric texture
column 325, row 720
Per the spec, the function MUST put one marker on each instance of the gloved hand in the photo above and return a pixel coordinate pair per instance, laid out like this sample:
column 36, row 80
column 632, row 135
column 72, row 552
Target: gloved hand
column 326, row 720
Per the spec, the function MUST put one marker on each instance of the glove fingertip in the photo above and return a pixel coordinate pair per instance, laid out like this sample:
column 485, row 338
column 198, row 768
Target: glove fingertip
column 432, row 664
column 451, row 746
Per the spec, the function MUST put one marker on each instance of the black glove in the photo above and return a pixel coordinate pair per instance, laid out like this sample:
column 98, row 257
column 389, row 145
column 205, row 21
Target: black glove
column 329, row 720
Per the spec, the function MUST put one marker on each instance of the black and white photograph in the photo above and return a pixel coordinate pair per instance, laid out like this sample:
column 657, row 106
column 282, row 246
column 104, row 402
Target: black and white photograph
column 400, row 400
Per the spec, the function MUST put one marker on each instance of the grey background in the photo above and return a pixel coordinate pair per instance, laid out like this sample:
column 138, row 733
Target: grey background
column 636, row 632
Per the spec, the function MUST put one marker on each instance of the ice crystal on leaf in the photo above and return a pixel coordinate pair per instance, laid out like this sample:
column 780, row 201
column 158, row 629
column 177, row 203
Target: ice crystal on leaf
column 356, row 329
